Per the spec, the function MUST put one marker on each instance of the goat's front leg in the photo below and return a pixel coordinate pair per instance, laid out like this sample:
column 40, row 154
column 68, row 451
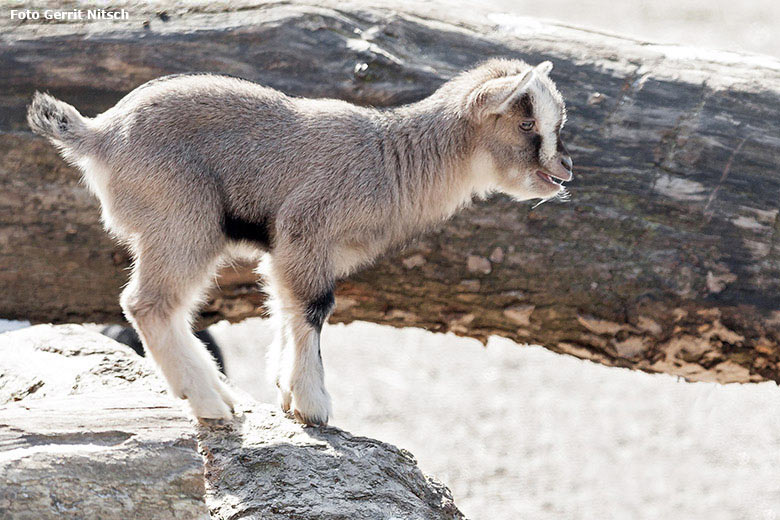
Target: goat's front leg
column 300, row 304
column 305, row 376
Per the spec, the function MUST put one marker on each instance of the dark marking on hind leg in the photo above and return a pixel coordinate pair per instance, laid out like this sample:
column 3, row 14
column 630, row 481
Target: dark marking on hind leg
column 318, row 309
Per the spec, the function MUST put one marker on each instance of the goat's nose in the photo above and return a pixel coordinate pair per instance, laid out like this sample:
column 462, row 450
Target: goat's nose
column 566, row 162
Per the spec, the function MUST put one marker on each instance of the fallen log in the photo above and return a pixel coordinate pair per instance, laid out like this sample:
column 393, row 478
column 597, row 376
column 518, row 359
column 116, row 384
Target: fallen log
column 87, row 431
column 666, row 259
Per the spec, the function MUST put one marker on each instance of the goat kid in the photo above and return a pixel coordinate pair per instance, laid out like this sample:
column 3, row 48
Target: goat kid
column 190, row 168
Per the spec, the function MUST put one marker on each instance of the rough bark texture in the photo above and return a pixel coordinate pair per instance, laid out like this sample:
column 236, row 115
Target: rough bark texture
column 666, row 259
column 87, row 431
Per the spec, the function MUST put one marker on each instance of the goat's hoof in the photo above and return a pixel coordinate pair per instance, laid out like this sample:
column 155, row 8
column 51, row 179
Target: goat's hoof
column 212, row 422
column 214, row 402
column 310, row 420
column 311, row 407
column 284, row 399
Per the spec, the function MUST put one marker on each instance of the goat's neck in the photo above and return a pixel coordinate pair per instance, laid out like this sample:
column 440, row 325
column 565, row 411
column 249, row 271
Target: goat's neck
column 429, row 152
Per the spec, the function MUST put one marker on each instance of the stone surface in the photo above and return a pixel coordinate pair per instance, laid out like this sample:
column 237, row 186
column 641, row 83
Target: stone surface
column 87, row 430
column 263, row 465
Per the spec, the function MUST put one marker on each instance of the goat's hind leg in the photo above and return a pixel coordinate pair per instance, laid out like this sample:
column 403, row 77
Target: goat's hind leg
column 166, row 284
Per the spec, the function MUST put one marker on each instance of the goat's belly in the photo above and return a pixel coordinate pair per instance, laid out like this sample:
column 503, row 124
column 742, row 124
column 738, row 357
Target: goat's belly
column 348, row 258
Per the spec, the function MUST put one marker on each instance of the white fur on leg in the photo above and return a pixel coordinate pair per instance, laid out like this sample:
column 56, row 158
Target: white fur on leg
column 294, row 359
column 187, row 366
column 278, row 354
column 311, row 402
column 276, row 358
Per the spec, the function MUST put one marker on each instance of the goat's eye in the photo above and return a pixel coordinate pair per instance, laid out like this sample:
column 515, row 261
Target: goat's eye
column 527, row 126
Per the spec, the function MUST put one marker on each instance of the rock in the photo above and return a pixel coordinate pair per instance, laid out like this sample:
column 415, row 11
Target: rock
column 87, row 430
column 267, row 466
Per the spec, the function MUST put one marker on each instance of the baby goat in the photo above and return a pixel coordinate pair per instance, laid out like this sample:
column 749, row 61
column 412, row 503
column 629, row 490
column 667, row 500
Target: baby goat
column 188, row 167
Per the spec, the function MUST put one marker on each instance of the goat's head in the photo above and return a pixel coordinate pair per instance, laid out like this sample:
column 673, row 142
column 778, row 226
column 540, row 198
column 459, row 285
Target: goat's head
column 518, row 117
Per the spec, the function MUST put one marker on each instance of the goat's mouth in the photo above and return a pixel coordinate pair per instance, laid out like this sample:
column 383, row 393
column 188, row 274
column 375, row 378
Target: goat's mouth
column 550, row 178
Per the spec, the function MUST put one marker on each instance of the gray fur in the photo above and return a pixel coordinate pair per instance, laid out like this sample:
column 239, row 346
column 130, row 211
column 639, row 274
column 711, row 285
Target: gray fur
column 191, row 168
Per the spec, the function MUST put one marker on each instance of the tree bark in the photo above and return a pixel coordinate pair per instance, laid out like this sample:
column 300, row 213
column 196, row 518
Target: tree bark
column 88, row 431
column 666, row 259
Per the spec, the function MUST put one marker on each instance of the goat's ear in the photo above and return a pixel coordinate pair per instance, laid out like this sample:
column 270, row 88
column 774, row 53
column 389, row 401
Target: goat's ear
column 544, row 67
column 496, row 96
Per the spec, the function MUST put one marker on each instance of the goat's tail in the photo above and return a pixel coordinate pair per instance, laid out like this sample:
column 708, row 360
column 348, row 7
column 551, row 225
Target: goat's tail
column 59, row 122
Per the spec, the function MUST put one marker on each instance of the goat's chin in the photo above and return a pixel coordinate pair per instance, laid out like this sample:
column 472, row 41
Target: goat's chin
column 550, row 193
column 533, row 189
column 546, row 191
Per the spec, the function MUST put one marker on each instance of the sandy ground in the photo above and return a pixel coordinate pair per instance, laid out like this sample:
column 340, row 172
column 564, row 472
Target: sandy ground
column 748, row 26
column 521, row 432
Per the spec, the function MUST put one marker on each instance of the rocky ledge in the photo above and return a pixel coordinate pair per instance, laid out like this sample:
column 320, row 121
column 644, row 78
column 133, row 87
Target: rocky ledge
column 87, row 430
